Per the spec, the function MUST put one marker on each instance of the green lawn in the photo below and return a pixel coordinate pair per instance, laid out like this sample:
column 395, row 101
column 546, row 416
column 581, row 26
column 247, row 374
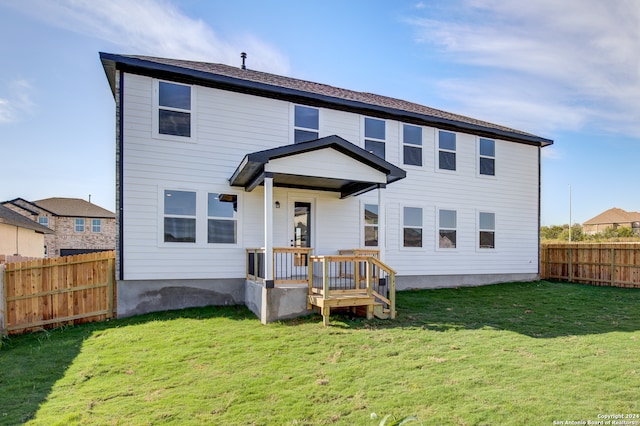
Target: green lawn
column 520, row 353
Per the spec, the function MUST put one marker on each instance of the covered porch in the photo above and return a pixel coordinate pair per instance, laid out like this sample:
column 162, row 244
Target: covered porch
column 354, row 278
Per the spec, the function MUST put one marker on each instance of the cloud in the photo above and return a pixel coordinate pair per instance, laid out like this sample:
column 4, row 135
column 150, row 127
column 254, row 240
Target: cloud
column 544, row 64
column 17, row 102
column 153, row 28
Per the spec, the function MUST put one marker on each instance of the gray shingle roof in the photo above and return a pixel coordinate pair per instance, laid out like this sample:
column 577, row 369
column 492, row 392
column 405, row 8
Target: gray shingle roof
column 9, row 217
column 74, row 207
column 257, row 80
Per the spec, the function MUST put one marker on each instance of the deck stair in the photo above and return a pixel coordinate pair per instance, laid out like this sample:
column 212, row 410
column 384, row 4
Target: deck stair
column 361, row 282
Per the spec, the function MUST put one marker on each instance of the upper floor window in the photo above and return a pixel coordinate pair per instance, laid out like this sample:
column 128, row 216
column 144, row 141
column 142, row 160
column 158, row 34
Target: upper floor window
column 371, row 225
column 412, row 149
column 174, row 109
column 96, row 225
column 487, row 229
column 375, row 135
column 306, row 123
column 446, row 150
column 447, row 228
column 43, row 220
column 222, row 222
column 179, row 216
column 79, row 225
column 412, row 227
column 487, row 157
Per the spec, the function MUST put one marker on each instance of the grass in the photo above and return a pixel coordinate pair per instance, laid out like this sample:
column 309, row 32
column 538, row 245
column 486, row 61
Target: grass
column 519, row 353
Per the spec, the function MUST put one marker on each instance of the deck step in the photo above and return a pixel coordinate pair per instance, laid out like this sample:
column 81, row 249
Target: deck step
column 381, row 312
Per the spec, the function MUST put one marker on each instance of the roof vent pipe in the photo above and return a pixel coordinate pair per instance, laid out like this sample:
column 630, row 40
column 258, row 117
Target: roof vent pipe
column 243, row 56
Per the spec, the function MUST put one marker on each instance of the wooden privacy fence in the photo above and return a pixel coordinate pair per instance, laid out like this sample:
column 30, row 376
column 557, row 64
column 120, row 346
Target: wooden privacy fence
column 45, row 293
column 602, row 264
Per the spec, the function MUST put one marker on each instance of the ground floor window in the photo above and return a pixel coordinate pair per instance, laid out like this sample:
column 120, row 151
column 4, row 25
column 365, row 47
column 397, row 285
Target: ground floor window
column 371, row 225
column 447, row 226
column 412, row 227
column 222, row 222
column 487, row 230
column 179, row 216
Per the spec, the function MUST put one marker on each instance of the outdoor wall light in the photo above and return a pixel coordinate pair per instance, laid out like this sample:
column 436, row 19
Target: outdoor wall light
column 277, row 204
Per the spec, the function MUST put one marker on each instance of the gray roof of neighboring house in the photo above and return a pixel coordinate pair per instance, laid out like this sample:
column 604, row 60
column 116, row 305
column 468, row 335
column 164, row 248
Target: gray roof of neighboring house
column 296, row 90
column 614, row 215
column 74, row 207
column 9, row 217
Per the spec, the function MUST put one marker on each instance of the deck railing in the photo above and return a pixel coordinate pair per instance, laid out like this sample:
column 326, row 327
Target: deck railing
column 290, row 265
column 335, row 275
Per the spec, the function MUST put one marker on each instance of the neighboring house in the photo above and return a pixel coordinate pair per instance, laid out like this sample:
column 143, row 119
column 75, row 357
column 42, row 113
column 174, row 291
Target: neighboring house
column 20, row 236
column 79, row 226
column 213, row 160
column 612, row 218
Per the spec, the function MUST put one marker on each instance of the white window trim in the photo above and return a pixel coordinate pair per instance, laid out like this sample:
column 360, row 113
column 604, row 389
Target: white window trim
column 437, row 152
column 99, row 226
column 402, row 144
column 43, row 220
column 154, row 114
column 437, row 230
column 292, row 120
column 478, row 156
column 201, row 216
column 401, row 245
column 75, row 225
column 363, row 223
column 365, row 138
column 236, row 219
column 478, row 229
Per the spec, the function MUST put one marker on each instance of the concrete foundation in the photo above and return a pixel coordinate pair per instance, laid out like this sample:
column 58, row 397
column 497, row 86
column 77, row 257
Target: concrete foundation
column 416, row 282
column 143, row 296
column 269, row 304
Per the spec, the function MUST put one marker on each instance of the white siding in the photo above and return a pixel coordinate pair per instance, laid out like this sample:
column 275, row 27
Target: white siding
column 230, row 125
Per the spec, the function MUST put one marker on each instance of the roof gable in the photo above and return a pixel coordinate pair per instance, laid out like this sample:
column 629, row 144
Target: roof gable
column 280, row 87
column 9, row 217
column 368, row 172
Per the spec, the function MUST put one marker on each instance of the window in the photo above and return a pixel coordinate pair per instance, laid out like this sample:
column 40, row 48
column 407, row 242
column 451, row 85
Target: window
column 412, row 150
column 371, row 225
column 306, row 123
column 487, row 227
column 447, row 224
column 222, row 222
column 96, row 225
column 447, row 150
column 79, row 225
column 174, row 109
column 412, row 226
column 43, row 220
column 179, row 217
column 374, row 134
column 487, row 157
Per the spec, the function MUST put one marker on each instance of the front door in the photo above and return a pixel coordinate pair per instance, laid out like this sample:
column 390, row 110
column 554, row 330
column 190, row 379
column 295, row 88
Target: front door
column 302, row 227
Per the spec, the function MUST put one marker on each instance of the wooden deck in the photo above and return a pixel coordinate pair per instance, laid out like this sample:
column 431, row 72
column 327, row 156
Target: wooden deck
column 355, row 279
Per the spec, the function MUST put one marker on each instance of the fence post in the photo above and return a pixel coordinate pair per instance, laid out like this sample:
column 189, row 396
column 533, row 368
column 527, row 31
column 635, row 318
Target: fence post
column 3, row 302
column 613, row 267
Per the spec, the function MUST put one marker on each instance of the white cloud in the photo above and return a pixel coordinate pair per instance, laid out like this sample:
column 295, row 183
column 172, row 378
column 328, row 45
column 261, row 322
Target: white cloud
column 153, row 28
column 17, row 102
column 545, row 64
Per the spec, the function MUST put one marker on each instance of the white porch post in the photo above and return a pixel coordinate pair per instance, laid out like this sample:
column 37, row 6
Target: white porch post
column 268, row 230
column 382, row 228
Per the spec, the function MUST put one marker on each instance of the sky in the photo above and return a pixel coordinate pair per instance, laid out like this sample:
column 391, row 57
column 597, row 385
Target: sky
column 564, row 70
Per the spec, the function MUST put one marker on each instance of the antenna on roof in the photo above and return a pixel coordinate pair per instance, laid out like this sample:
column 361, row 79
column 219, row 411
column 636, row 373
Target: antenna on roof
column 243, row 55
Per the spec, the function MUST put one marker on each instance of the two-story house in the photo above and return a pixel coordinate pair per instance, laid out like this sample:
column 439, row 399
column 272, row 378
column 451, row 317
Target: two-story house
column 215, row 160
column 78, row 226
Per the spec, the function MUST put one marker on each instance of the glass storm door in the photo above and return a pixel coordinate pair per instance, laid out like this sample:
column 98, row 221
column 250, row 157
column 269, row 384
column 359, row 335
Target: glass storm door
column 301, row 230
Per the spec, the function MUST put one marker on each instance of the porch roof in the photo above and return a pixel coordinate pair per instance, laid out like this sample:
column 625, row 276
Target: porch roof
column 326, row 164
